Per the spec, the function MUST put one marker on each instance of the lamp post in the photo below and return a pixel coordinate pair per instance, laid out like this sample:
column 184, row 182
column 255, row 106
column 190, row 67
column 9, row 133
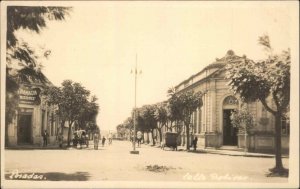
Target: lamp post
column 134, row 151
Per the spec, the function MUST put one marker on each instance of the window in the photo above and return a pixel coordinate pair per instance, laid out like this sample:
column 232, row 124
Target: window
column 285, row 126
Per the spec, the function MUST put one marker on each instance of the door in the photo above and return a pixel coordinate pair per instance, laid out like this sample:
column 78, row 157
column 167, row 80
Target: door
column 229, row 132
column 24, row 129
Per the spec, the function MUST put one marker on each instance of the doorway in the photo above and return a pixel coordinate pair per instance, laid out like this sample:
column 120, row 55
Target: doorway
column 24, row 129
column 229, row 132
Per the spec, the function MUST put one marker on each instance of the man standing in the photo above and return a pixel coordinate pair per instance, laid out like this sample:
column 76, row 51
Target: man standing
column 45, row 138
column 139, row 138
column 195, row 143
column 103, row 141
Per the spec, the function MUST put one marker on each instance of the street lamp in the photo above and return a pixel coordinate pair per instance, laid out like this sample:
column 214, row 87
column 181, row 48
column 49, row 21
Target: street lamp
column 134, row 112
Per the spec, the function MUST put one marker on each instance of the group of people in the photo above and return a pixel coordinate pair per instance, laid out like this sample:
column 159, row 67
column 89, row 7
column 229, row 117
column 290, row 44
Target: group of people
column 96, row 140
column 83, row 138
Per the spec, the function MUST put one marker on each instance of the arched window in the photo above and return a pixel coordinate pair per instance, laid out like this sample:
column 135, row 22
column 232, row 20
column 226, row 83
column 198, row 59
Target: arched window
column 230, row 100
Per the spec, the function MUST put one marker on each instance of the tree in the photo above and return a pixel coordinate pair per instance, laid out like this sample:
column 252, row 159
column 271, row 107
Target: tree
column 28, row 18
column 183, row 105
column 243, row 120
column 175, row 113
column 88, row 114
column 20, row 53
column 146, row 119
column 269, row 78
column 128, row 124
column 161, row 116
column 69, row 98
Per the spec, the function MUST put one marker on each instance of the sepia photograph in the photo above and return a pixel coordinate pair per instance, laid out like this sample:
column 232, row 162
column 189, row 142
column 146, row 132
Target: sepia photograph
column 149, row 94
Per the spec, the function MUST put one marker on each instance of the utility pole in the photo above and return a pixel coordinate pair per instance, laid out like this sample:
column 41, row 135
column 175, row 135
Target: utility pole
column 134, row 111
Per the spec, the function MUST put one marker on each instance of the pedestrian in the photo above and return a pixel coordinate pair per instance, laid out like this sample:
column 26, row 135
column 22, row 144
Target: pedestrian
column 45, row 138
column 110, row 139
column 60, row 140
column 195, row 143
column 103, row 141
column 139, row 138
column 82, row 139
column 96, row 141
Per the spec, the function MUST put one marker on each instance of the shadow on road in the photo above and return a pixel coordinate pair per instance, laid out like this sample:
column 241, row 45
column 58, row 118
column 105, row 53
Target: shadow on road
column 50, row 176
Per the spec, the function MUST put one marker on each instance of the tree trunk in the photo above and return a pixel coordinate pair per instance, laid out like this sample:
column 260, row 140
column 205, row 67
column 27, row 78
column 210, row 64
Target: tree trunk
column 160, row 134
column 148, row 138
column 143, row 137
column 153, row 138
column 187, row 137
column 69, row 133
column 278, row 160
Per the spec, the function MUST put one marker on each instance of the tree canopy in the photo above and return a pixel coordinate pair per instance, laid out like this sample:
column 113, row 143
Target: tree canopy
column 32, row 19
column 73, row 104
column 260, row 80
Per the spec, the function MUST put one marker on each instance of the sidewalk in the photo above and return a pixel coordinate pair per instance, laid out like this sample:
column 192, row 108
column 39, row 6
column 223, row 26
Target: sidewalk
column 36, row 147
column 229, row 152
column 224, row 151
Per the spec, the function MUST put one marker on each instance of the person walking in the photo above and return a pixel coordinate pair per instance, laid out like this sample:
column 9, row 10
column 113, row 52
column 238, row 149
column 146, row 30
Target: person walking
column 45, row 138
column 195, row 143
column 103, row 141
column 110, row 139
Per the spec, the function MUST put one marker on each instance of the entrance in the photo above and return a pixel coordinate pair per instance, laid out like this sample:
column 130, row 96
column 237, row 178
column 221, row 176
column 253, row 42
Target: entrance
column 24, row 129
column 229, row 132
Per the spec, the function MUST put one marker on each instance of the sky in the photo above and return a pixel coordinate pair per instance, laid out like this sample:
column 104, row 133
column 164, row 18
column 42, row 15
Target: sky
column 98, row 43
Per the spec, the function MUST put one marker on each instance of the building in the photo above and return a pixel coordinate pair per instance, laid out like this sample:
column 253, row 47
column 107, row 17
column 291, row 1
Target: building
column 211, row 123
column 33, row 115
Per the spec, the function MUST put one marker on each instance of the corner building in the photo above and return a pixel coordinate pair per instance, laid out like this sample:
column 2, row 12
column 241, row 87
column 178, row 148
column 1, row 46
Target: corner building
column 33, row 115
column 211, row 123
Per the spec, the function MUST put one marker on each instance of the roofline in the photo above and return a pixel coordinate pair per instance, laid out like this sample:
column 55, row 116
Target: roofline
column 219, row 63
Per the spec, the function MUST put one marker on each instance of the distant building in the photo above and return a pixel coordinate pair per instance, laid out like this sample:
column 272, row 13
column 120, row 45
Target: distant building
column 211, row 123
column 33, row 115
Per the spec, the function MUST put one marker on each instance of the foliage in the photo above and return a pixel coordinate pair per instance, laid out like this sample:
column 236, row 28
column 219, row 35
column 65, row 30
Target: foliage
column 161, row 117
column 161, row 113
column 264, row 121
column 88, row 113
column 242, row 119
column 32, row 19
column 261, row 80
column 182, row 106
column 72, row 101
column 12, row 97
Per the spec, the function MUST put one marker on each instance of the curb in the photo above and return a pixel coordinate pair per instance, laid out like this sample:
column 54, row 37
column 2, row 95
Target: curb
column 236, row 154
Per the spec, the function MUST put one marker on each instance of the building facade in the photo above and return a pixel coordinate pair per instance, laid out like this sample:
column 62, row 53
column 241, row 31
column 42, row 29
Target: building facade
column 33, row 115
column 211, row 123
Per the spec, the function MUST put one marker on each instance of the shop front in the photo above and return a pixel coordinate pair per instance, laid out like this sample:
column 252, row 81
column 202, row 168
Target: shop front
column 33, row 116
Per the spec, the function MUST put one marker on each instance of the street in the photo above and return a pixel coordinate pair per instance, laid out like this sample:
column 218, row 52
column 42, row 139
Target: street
column 115, row 162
